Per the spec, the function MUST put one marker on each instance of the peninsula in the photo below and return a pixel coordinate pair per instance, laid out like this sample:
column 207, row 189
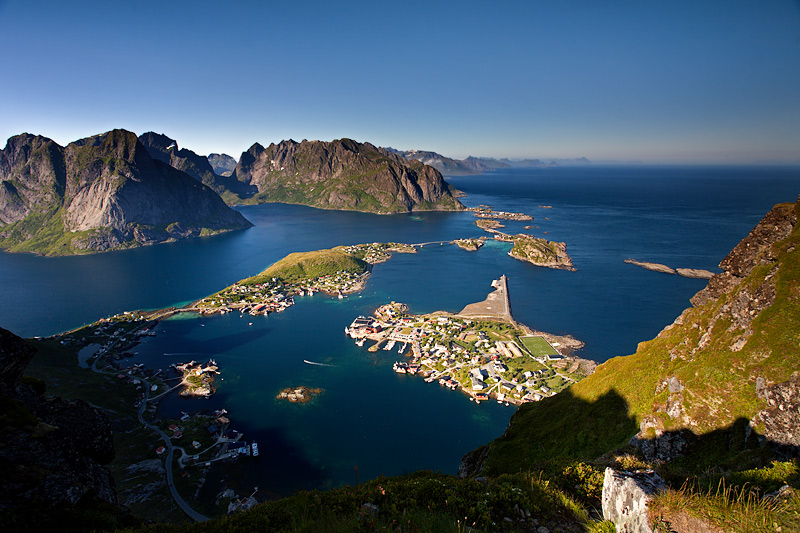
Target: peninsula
column 336, row 272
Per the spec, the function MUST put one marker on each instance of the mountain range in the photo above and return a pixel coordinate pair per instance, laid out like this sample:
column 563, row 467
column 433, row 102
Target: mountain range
column 100, row 193
column 117, row 190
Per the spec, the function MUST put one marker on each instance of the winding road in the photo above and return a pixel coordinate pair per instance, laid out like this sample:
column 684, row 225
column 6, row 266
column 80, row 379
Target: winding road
column 185, row 507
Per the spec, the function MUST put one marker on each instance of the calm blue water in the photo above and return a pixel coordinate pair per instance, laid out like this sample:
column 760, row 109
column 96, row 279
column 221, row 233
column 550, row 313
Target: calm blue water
column 368, row 416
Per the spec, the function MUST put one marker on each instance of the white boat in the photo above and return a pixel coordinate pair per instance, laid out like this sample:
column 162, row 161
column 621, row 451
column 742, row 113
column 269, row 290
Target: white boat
column 346, row 330
column 254, row 448
column 360, row 342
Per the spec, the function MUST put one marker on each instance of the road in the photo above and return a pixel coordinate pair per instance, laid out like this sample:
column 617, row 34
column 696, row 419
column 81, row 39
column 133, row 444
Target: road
column 185, row 507
column 194, row 515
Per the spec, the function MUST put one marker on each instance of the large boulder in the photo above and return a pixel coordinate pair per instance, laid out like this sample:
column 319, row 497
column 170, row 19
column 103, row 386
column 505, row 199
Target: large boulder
column 626, row 496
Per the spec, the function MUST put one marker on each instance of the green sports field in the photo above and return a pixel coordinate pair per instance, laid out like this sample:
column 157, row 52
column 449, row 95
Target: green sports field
column 537, row 346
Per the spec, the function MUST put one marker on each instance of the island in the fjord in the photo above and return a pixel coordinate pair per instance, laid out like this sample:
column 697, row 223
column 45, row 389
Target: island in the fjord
column 337, row 272
column 685, row 272
column 301, row 394
column 529, row 248
column 100, row 193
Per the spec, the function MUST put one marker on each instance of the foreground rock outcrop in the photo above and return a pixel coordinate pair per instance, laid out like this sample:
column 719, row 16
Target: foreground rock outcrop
column 342, row 174
column 626, row 496
column 52, row 450
column 100, row 193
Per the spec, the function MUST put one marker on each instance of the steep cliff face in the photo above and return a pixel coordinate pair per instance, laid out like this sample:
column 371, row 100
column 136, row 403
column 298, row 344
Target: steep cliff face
column 342, row 174
column 32, row 172
column 52, row 451
column 726, row 371
column 100, row 193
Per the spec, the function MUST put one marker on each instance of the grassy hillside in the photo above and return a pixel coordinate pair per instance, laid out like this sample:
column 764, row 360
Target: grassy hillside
column 422, row 501
column 308, row 265
column 702, row 352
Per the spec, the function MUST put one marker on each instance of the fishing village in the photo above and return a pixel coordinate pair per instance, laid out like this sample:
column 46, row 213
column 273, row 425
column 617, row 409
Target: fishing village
column 480, row 351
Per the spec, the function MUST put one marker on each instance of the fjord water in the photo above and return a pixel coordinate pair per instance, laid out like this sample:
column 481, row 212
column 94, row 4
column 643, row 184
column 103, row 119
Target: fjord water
column 368, row 416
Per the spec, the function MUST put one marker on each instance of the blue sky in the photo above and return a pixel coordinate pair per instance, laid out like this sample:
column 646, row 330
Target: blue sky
column 657, row 81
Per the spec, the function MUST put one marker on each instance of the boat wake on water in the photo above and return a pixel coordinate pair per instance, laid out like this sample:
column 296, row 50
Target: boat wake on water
column 315, row 364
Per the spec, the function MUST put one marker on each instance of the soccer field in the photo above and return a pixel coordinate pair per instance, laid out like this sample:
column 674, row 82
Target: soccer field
column 537, row 346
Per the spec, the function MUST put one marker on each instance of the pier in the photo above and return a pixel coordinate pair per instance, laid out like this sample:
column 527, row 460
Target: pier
column 496, row 305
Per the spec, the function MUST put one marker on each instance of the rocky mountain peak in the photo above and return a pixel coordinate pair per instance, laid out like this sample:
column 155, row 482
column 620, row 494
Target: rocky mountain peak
column 99, row 193
column 159, row 145
column 342, row 174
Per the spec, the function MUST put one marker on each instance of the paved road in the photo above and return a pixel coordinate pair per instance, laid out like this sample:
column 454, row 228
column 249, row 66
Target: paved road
column 194, row 515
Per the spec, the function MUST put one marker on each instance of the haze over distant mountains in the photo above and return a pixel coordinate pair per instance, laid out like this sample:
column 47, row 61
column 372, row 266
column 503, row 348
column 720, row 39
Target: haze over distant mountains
column 223, row 164
column 478, row 165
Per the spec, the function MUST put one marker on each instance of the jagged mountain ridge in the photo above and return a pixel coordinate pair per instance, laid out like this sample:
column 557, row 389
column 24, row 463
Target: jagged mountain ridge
column 99, row 193
column 342, row 174
column 167, row 150
column 726, row 369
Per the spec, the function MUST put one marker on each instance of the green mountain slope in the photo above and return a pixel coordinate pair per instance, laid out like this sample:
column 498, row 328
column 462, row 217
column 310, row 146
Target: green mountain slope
column 725, row 372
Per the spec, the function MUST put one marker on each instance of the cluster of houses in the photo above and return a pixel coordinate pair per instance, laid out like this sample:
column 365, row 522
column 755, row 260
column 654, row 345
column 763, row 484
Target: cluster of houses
column 373, row 253
column 258, row 299
column 378, row 252
column 484, row 211
column 340, row 283
column 458, row 354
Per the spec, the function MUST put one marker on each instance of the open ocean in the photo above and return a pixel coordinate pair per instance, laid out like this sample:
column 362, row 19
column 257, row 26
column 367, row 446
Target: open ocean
column 368, row 416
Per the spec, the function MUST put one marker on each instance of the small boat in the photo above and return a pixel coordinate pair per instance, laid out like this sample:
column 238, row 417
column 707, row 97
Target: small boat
column 403, row 348
column 346, row 330
column 360, row 342
column 254, row 448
